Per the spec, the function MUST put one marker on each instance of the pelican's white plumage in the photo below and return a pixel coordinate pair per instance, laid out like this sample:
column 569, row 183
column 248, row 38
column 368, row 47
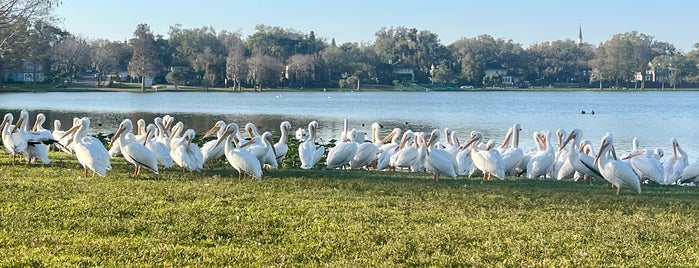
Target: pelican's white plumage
column 11, row 139
column 135, row 153
column 365, row 153
column 343, row 152
column 543, row 160
column 161, row 151
column 646, row 166
column 513, row 155
column 388, row 149
column 244, row 162
column 36, row 140
column 282, row 147
column 184, row 153
column 407, row 154
column 617, row 172
column 89, row 151
column 675, row 164
column 690, row 174
column 488, row 161
column 436, row 160
column 209, row 150
column 308, row 153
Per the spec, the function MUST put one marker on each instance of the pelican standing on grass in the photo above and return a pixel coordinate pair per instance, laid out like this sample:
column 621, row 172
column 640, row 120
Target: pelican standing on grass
column 488, row 161
column 619, row 174
column 675, row 164
column 210, row 150
column 282, row 147
column 135, row 153
column 241, row 160
column 308, row 153
column 343, row 152
column 407, row 154
column 161, row 151
column 37, row 148
column 435, row 160
column 13, row 142
column 89, row 151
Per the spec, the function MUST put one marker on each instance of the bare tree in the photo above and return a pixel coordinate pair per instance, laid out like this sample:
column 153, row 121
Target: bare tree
column 263, row 69
column 104, row 58
column 301, row 67
column 236, row 60
column 70, row 55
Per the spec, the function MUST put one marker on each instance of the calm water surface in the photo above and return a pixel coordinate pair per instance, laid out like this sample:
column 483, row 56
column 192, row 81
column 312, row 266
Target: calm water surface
column 652, row 117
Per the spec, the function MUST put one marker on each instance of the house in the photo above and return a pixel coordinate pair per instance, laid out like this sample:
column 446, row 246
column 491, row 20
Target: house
column 404, row 74
column 505, row 79
column 31, row 71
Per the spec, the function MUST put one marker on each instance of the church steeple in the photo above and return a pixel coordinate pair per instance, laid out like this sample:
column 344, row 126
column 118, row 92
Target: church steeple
column 580, row 38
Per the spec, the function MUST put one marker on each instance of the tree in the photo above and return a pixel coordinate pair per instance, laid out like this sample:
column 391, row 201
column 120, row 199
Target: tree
column 104, row 58
column 442, row 73
column 263, row 69
column 176, row 77
column 16, row 19
column 70, row 55
column 475, row 55
column 144, row 61
column 300, row 68
column 236, row 61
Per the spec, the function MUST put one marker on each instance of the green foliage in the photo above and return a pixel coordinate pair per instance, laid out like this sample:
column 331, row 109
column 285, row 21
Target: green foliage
column 51, row 216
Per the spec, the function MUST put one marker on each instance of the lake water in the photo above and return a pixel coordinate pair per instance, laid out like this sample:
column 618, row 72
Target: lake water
column 653, row 117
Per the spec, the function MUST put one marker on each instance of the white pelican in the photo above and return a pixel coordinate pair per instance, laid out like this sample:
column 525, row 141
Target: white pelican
column 161, row 151
column 343, row 152
column 57, row 133
column 675, row 163
column 543, row 160
column 281, row 147
column 489, row 162
column 115, row 149
column 512, row 156
column 407, row 154
column 185, row 153
column 13, row 142
column 262, row 148
column 210, row 150
column 690, row 174
column 37, row 147
column 577, row 159
column 365, row 153
column 435, row 160
column 135, row 153
column 615, row 171
column 244, row 162
column 89, row 151
column 162, row 134
column 646, row 166
column 308, row 153
column 388, row 149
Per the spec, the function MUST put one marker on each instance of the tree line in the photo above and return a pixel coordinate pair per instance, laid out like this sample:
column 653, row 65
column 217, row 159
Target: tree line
column 279, row 57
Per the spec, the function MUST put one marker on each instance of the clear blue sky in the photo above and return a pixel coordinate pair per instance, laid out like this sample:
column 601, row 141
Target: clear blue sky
column 525, row 22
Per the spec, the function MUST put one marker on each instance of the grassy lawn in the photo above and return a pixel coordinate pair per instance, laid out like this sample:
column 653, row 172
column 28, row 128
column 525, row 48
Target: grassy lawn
column 51, row 216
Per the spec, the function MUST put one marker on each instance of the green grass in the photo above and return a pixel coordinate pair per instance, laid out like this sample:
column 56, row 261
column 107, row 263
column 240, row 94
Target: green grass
column 51, row 216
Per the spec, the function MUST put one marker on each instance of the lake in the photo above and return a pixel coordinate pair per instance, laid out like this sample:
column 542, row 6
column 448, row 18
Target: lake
column 653, row 117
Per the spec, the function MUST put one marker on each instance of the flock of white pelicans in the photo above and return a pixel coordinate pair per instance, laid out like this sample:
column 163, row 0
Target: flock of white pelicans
column 164, row 144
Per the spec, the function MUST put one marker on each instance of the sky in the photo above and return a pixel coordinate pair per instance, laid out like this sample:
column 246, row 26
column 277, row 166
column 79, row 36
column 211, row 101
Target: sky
column 524, row 22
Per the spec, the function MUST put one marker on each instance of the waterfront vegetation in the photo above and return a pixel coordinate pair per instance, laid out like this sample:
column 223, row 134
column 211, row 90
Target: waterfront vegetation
column 52, row 216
